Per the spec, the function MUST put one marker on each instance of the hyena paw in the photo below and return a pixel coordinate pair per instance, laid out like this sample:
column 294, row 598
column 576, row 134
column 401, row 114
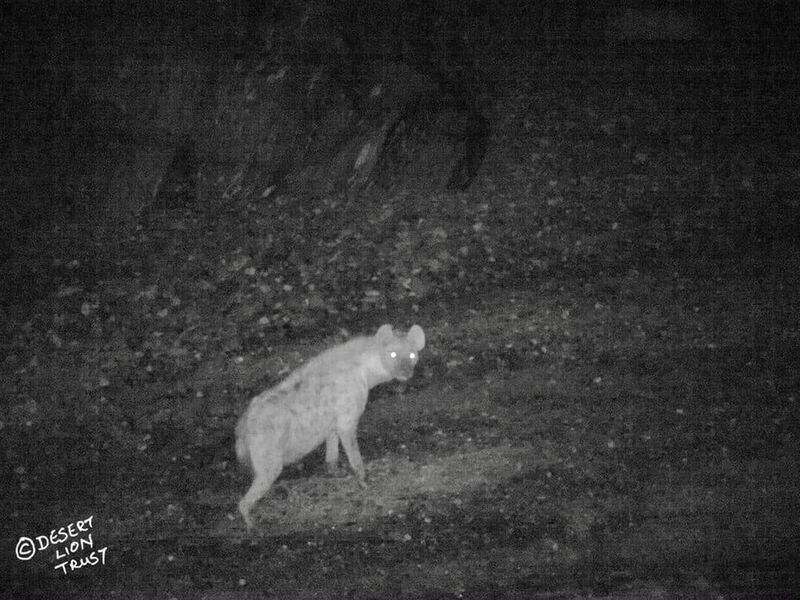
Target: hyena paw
column 248, row 519
column 335, row 470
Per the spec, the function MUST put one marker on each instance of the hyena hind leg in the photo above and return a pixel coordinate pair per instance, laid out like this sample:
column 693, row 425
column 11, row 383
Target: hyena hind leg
column 266, row 469
column 350, row 444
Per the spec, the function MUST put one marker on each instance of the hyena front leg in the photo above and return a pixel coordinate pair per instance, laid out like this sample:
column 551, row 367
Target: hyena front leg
column 350, row 444
column 267, row 466
column 332, row 453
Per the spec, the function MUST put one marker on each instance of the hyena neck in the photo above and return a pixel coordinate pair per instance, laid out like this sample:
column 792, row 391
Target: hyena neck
column 374, row 372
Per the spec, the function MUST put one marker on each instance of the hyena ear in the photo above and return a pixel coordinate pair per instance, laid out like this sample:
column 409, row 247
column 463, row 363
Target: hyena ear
column 385, row 334
column 417, row 337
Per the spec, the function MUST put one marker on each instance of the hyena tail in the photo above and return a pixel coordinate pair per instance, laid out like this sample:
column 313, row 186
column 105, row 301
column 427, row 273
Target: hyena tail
column 242, row 450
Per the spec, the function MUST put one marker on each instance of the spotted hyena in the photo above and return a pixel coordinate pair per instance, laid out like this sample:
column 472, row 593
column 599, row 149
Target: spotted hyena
column 321, row 401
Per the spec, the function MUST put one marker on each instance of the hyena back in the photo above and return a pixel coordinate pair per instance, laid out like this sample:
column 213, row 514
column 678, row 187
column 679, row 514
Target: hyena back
column 321, row 401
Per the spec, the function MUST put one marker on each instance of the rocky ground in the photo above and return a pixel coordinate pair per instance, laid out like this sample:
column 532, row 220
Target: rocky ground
column 608, row 400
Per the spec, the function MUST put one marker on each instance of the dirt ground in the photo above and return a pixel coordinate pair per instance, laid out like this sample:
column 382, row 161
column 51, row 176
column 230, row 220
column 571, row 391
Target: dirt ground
column 608, row 400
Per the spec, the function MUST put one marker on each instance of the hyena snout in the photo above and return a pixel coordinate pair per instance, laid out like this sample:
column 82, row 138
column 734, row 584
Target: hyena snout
column 404, row 372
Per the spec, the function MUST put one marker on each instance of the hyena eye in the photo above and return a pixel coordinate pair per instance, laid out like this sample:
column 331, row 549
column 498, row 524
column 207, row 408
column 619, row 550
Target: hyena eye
column 393, row 354
column 412, row 356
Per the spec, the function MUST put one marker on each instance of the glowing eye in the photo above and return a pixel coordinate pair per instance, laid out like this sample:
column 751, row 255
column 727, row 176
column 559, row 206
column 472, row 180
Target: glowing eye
column 412, row 356
column 393, row 354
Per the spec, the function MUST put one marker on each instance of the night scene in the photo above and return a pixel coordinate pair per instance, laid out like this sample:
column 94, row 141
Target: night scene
column 400, row 298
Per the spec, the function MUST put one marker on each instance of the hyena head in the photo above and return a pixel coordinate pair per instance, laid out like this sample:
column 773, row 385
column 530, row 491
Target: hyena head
column 400, row 353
